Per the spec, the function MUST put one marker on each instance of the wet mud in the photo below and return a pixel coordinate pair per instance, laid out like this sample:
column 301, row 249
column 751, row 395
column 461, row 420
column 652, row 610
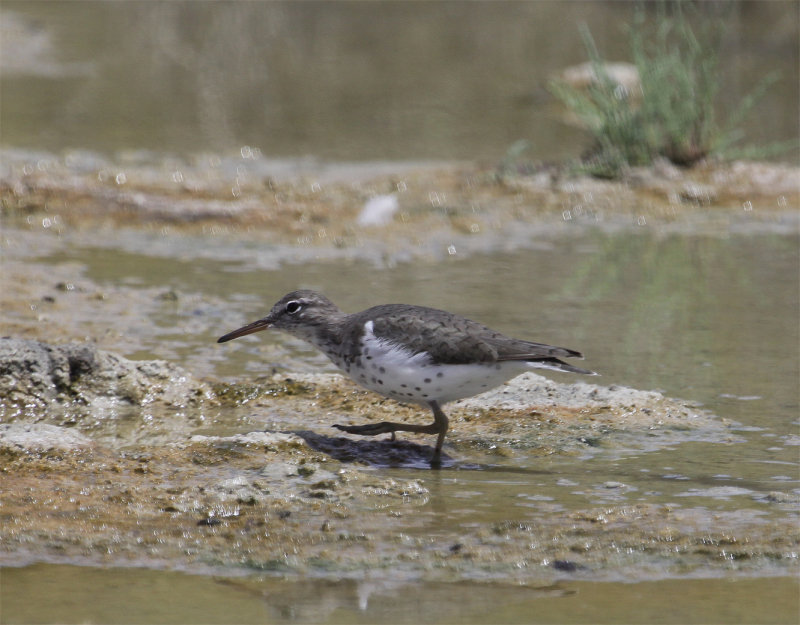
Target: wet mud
column 309, row 501
column 313, row 210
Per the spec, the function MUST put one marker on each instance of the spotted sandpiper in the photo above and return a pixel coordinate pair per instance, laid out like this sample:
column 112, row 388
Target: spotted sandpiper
column 411, row 354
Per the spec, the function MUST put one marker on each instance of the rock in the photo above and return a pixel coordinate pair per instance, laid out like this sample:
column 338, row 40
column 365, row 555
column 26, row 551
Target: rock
column 34, row 375
column 624, row 75
column 25, row 437
column 618, row 406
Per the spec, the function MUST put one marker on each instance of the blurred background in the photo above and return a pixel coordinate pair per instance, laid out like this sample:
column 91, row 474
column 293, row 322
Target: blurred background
column 142, row 212
column 342, row 80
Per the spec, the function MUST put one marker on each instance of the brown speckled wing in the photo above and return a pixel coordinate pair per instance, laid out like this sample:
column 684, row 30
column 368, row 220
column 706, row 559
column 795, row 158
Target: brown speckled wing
column 451, row 339
column 447, row 338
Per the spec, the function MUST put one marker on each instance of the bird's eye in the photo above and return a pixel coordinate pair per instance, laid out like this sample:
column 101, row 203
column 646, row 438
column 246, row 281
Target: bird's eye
column 293, row 307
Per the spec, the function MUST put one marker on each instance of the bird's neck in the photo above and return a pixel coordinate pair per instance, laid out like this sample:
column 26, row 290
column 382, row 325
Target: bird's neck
column 326, row 335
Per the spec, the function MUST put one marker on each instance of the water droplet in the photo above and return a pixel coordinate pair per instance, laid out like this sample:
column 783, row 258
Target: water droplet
column 474, row 228
column 451, row 249
column 316, row 187
column 748, row 205
column 246, row 151
column 121, row 178
column 435, row 198
column 566, row 215
column 642, row 221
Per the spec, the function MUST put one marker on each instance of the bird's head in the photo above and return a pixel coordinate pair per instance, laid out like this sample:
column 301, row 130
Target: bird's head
column 299, row 313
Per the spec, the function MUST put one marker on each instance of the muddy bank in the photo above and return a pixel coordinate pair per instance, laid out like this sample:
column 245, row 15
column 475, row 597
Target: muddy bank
column 90, row 390
column 308, row 500
column 380, row 212
column 268, row 502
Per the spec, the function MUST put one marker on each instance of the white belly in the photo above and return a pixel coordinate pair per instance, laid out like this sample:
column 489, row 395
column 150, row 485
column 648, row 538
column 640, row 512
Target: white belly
column 440, row 383
column 395, row 372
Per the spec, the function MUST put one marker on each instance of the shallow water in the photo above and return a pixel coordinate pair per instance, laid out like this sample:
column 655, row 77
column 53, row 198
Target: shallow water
column 710, row 319
column 68, row 594
column 342, row 81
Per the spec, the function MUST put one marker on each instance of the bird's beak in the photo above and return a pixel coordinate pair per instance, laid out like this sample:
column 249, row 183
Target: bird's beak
column 250, row 328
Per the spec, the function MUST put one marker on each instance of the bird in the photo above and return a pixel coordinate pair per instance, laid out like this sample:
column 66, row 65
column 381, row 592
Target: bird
column 411, row 354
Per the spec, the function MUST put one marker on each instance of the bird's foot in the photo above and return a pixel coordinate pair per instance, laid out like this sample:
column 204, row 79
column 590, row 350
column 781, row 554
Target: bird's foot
column 387, row 427
column 369, row 429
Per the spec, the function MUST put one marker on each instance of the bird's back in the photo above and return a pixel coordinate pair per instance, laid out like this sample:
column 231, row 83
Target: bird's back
column 449, row 338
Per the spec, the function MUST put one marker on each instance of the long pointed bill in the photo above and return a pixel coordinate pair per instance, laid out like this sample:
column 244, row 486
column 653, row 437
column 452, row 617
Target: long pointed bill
column 250, row 328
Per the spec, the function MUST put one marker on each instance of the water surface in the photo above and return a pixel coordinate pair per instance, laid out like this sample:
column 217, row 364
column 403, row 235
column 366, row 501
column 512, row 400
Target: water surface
column 345, row 80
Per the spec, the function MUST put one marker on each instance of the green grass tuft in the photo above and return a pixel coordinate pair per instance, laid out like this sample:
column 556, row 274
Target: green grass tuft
column 673, row 114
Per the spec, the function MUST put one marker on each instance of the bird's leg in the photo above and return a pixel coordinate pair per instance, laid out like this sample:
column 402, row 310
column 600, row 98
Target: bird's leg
column 440, row 419
column 439, row 426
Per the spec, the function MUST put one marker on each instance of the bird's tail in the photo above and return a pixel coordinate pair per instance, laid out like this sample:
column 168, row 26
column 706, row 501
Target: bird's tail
column 555, row 364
